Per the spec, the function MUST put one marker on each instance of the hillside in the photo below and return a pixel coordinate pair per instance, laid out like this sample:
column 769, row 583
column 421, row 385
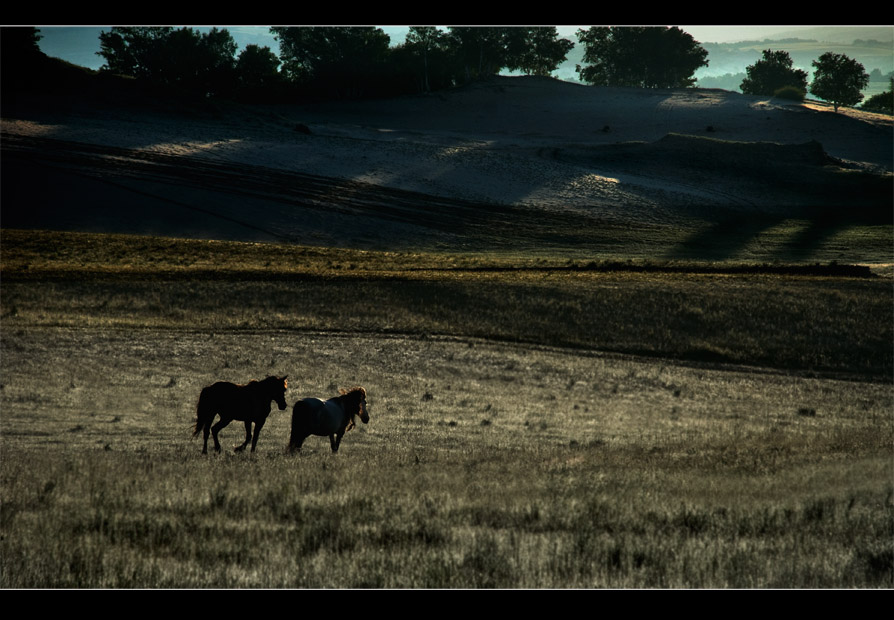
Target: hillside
column 525, row 163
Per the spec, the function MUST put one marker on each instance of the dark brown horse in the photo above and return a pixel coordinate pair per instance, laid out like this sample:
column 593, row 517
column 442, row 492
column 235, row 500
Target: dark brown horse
column 247, row 403
column 334, row 417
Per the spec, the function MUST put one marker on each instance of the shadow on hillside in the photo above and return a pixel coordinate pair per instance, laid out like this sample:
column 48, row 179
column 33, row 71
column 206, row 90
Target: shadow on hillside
column 722, row 240
column 796, row 238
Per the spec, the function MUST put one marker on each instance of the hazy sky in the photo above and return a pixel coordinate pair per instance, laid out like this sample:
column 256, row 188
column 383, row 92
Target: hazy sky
column 730, row 34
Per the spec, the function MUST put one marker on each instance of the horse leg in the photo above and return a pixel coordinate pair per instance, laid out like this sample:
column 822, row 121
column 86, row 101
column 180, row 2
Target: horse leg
column 295, row 444
column 204, row 417
column 206, row 430
column 215, row 430
column 335, row 441
column 247, row 437
column 296, row 440
column 254, row 440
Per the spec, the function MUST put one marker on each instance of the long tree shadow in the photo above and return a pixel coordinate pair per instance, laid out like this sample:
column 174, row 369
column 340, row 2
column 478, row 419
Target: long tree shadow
column 809, row 235
column 817, row 235
column 723, row 240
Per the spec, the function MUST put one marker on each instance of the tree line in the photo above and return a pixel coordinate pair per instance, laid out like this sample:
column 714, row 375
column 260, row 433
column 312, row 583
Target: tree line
column 359, row 62
column 340, row 62
column 333, row 62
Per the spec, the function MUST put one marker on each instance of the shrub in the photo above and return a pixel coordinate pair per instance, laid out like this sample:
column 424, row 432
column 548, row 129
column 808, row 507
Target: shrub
column 792, row 93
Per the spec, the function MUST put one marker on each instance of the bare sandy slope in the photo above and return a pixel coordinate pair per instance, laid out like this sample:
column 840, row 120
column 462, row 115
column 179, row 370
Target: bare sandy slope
column 537, row 145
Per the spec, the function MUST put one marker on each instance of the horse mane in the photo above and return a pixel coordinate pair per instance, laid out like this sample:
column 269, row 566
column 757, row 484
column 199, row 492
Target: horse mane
column 268, row 380
column 356, row 393
column 353, row 391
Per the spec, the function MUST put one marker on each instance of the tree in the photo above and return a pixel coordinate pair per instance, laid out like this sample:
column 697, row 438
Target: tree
column 19, row 40
column 772, row 72
column 838, row 79
column 426, row 41
column 642, row 56
column 21, row 57
column 480, row 50
column 343, row 60
column 183, row 58
column 257, row 67
column 535, row 50
column 134, row 52
column 19, row 49
column 257, row 75
column 216, row 61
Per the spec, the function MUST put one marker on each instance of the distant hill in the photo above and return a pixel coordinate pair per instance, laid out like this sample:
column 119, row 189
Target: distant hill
column 735, row 57
column 873, row 47
column 842, row 34
column 875, row 50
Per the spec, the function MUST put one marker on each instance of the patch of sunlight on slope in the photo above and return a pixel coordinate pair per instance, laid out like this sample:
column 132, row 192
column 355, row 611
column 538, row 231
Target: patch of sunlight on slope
column 191, row 148
column 592, row 188
column 594, row 182
column 463, row 149
column 33, row 128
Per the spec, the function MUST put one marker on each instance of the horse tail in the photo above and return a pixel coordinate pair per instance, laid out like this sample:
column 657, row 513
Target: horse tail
column 204, row 413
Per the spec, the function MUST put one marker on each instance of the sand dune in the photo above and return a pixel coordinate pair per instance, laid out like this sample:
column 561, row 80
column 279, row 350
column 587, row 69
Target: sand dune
column 511, row 146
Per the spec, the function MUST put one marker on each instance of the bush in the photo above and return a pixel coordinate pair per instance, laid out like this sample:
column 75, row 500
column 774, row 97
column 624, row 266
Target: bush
column 882, row 103
column 792, row 93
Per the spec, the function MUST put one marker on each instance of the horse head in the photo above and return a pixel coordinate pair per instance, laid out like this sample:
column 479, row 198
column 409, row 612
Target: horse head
column 364, row 414
column 280, row 396
column 356, row 405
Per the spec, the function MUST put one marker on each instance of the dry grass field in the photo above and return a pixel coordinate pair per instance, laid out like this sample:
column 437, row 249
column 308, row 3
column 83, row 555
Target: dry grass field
column 611, row 338
column 535, row 423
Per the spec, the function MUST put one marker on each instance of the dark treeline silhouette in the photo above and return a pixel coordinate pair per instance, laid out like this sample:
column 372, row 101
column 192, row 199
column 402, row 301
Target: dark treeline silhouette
column 331, row 62
column 25, row 68
column 21, row 57
column 182, row 60
column 336, row 63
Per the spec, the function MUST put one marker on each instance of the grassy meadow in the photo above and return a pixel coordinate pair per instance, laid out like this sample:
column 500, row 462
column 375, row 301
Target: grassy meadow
column 536, row 422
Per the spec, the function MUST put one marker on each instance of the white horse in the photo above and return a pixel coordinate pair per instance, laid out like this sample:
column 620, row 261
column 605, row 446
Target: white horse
column 332, row 418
